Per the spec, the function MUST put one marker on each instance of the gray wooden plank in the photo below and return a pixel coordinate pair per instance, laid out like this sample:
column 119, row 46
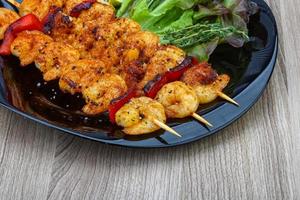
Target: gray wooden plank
column 26, row 153
column 289, row 11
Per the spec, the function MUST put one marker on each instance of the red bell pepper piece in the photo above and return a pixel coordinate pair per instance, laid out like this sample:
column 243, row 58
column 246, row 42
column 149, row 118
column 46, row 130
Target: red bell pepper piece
column 28, row 22
column 49, row 20
column 85, row 5
column 152, row 88
column 118, row 103
column 195, row 61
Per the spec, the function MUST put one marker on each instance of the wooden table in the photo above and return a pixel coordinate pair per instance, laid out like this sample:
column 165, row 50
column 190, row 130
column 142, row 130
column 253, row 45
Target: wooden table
column 255, row 158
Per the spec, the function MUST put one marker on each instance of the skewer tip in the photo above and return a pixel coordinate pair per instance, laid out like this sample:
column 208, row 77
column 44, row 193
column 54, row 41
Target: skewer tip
column 166, row 127
column 227, row 98
column 201, row 119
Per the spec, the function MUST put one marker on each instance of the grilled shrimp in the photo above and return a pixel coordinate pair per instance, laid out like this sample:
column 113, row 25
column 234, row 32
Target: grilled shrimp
column 108, row 41
column 137, row 116
column 178, row 99
column 6, row 18
column 40, row 8
column 144, row 41
column 208, row 93
column 80, row 74
column 60, row 27
column 100, row 93
column 114, row 31
column 99, row 12
column 53, row 58
column 206, row 82
column 139, row 47
column 27, row 45
column 70, row 4
column 164, row 59
column 118, row 29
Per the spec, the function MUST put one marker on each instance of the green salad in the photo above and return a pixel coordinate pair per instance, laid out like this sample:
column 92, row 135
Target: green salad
column 197, row 26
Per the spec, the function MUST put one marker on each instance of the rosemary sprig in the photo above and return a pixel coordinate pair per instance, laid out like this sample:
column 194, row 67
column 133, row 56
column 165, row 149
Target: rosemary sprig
column 199, row 33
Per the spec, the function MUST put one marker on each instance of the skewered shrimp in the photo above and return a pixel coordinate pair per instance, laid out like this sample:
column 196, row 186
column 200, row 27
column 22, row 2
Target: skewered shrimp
column 40, row 8
column 164, row 59
column 27, row 45
column 179, row 100
column 80, row 74
column 53, row 58
column 137, row 117
column 139, row 48
column 70, row 4
column 133, row 73
column 99, row 12
column 208, row 93
column 108, row 39
column 87, row 27
column 60, row 26
column 146, row 42
column 206, row 82
column 6, row 18
column 100, row 93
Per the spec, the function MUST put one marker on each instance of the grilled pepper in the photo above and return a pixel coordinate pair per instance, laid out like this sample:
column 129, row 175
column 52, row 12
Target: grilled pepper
column 152, row 87
column 118, row 103
column 28, row 22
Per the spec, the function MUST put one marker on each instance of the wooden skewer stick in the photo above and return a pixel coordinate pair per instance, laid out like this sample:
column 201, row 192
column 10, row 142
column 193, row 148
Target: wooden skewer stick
column 15, row 3
column 166, row 128
column 201, row 119
column 227, row 98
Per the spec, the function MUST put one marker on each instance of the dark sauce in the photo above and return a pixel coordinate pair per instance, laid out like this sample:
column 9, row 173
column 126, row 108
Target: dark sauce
column 27, row 90
column 47, row 100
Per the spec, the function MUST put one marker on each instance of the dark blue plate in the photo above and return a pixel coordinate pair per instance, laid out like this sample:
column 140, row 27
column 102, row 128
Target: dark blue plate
column 23, row 91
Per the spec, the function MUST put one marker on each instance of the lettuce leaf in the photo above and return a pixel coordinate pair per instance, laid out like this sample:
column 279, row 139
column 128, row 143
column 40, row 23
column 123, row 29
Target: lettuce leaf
column 197, row 26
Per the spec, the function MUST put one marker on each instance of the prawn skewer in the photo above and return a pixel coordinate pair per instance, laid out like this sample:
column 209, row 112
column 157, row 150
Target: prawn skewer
column 180, row 101
column 207, row 83
column 143, row 115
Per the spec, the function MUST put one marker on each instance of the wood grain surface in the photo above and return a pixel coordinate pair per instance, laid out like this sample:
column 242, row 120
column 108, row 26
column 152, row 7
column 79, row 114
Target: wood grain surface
column 255, row 158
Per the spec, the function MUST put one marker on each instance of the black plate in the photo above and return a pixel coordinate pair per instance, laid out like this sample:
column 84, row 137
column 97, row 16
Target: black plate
column 23, row 91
